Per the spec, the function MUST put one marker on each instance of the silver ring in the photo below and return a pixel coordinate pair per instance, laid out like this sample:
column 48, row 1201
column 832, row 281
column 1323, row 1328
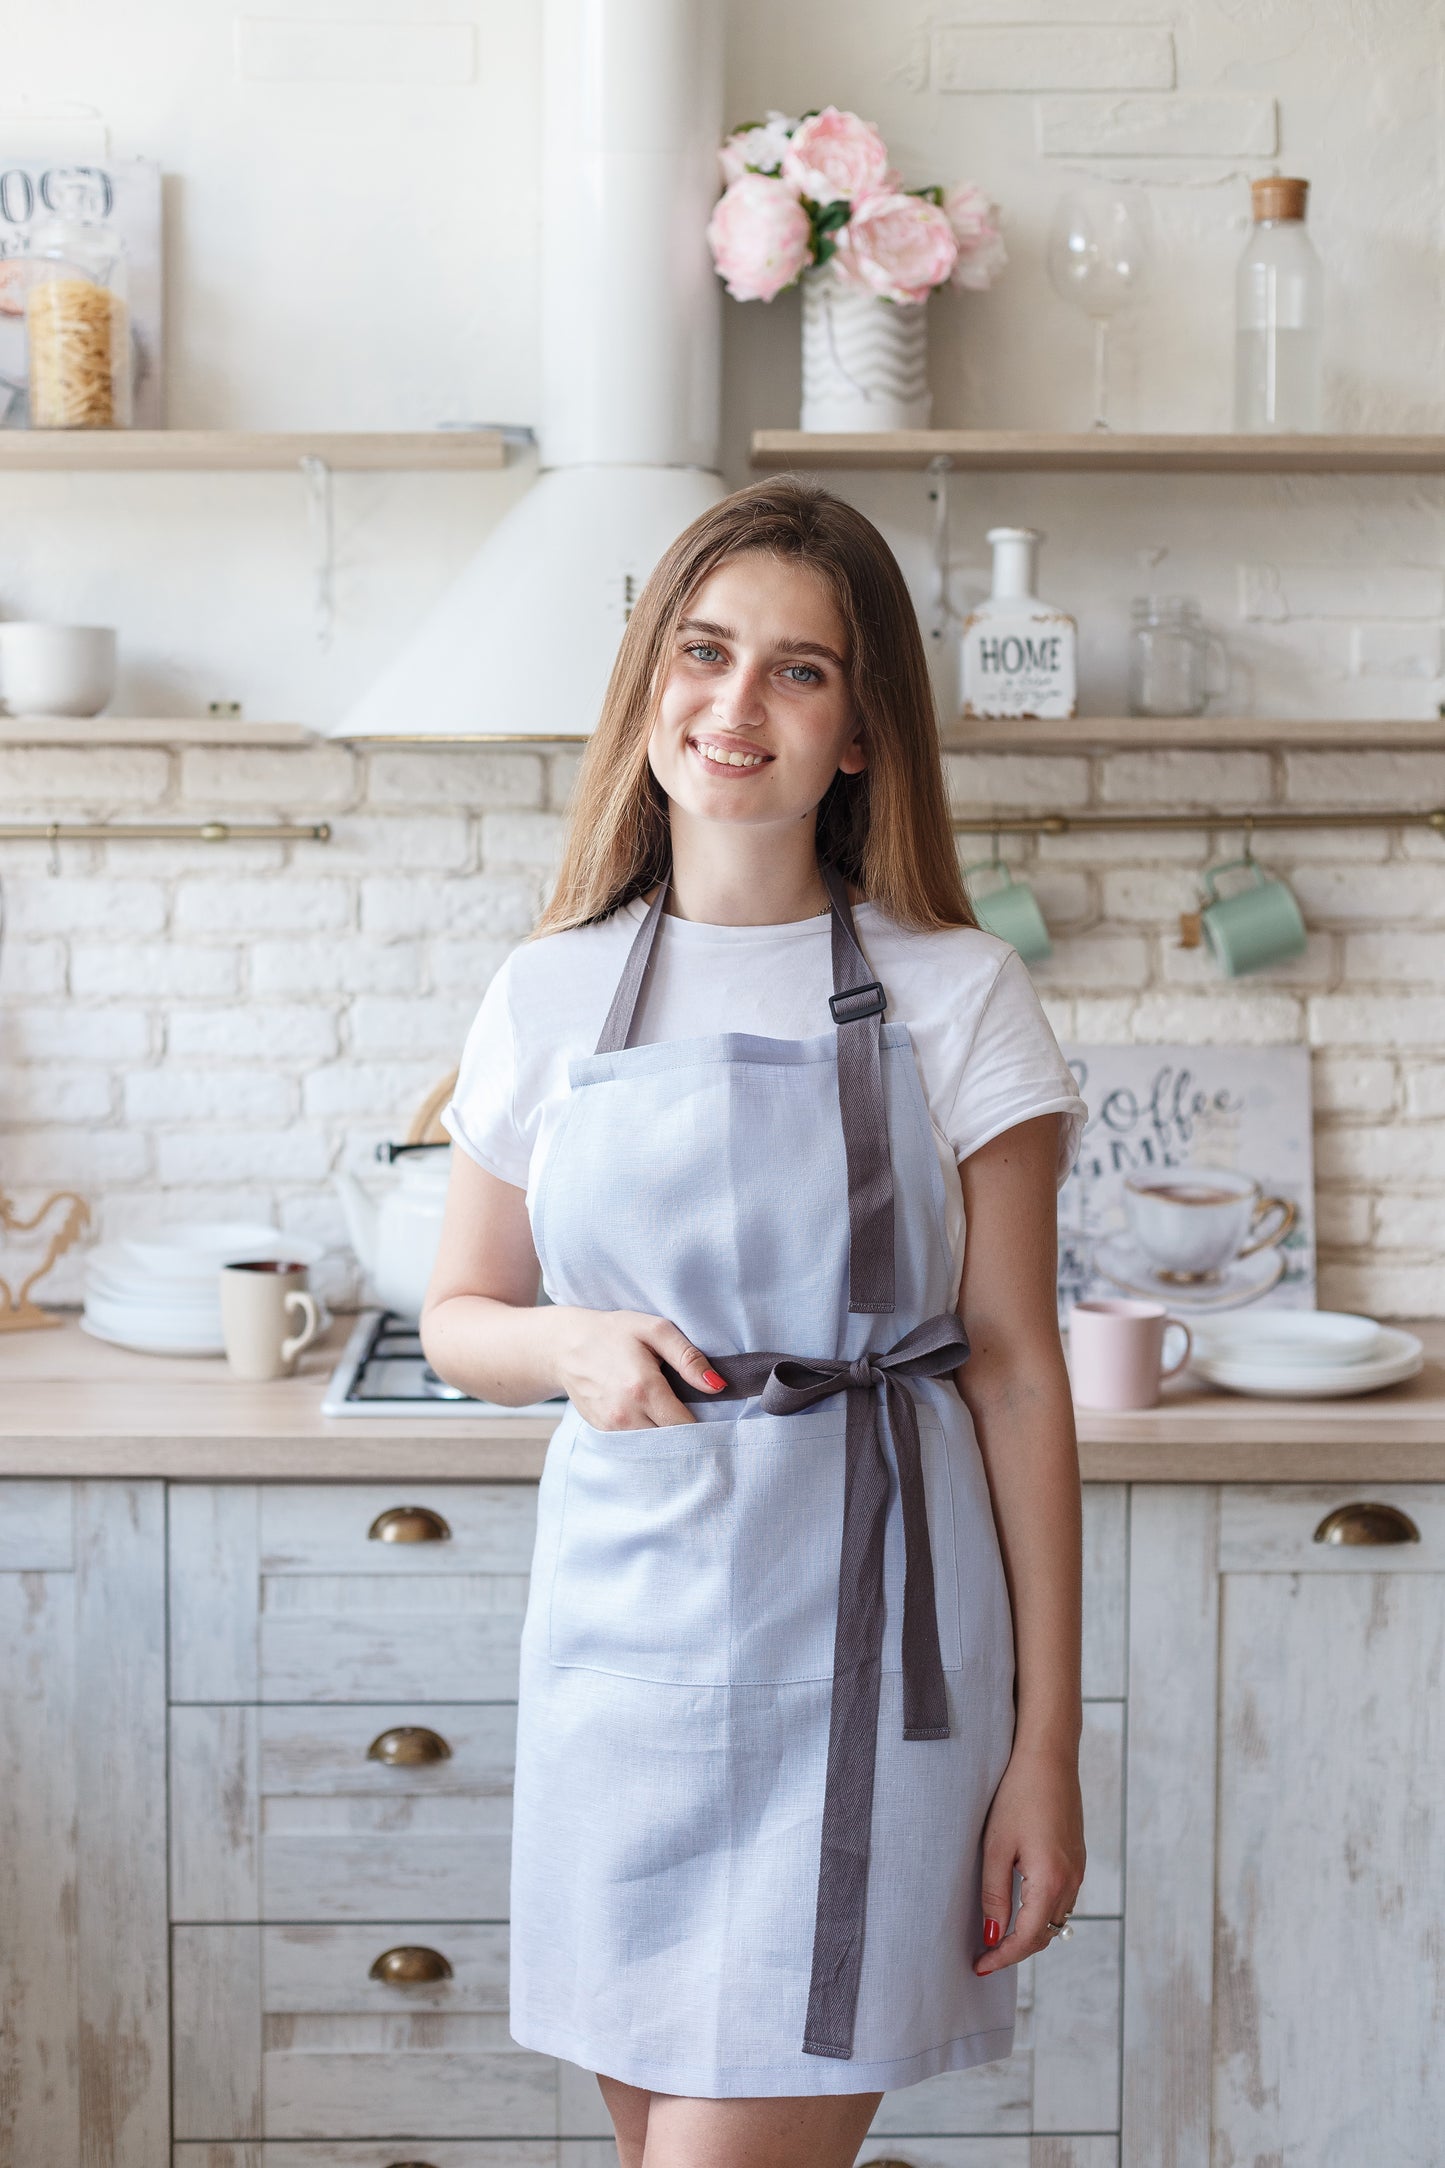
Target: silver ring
column 1061, row 1928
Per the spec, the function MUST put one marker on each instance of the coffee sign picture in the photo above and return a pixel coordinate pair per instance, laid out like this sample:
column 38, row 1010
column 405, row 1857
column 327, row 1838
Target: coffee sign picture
column 1194, row 1182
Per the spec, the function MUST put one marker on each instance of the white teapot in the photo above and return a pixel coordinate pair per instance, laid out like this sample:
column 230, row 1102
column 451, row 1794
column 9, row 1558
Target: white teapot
column 396, row 1236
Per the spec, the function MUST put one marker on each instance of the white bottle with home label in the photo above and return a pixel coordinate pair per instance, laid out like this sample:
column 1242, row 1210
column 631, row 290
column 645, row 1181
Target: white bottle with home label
column 1018, row 652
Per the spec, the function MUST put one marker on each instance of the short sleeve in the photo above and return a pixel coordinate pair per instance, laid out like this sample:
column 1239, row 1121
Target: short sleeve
column 481, row 1113
column 1014, row 1070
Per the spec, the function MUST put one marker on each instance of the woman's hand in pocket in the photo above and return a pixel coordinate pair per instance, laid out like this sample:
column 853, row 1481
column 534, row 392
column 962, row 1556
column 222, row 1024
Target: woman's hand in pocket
column 608, row 1364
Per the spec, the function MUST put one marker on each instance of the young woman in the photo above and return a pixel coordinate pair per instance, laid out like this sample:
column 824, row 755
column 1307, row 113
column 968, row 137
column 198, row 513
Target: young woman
column 800, row 1666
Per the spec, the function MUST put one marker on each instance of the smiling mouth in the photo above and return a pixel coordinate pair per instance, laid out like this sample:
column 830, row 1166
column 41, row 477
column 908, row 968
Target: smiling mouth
column 736, row 759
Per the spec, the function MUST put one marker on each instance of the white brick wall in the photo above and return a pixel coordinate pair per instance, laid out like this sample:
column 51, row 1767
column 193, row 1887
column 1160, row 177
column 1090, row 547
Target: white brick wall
column 191, row 1030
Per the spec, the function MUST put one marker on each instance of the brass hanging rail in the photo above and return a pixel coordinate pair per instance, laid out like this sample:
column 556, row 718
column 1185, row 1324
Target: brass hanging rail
column 1065, row 824
column 165, row 832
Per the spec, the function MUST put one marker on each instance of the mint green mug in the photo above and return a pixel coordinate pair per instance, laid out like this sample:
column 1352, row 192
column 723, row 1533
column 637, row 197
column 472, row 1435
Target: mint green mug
column 1256, row 926
column 1012, row 912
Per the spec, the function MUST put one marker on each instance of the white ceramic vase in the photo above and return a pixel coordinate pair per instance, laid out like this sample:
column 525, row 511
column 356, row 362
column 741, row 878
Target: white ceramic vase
column 865, row 360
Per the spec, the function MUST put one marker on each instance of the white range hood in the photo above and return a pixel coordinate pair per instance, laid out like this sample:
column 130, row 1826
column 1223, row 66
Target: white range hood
column 524, row 639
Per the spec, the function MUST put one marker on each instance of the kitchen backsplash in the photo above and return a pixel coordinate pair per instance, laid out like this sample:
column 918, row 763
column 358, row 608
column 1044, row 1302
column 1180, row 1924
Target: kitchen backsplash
column 191, row 1028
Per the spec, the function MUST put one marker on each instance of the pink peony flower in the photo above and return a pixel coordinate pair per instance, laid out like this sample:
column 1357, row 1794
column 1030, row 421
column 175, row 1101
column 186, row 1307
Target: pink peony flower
column 835, row 156
column 760, row 148
column 759, row 237
column 898, row 246
column 974, row 215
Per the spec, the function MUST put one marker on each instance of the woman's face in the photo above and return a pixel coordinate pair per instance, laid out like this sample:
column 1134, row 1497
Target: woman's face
column 756, row 716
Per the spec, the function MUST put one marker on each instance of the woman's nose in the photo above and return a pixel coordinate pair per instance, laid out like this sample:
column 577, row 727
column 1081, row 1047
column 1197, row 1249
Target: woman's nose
column 739, row 702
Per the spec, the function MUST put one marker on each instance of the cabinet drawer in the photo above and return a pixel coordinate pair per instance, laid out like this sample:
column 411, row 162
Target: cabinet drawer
column 367, row 1812
column 1271, row 1528
column 282, row 2033
column 295, row 1592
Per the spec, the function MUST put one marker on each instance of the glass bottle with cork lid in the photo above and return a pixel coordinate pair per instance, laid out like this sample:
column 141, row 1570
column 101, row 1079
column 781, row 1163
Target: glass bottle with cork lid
column 1019, row 654
column 1279, row 316
column 77, row 315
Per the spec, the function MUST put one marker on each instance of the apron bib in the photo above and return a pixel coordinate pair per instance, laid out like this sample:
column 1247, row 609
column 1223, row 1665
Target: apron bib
column 767, row 1663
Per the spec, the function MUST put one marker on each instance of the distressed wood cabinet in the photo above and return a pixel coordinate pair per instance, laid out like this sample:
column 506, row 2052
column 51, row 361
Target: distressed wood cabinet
column 274, row 1721
column 1285, row 1847
column 84, row 2019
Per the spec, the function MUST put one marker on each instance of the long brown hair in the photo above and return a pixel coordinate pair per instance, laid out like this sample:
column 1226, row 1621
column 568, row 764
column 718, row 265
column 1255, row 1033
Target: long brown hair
column 886, row 829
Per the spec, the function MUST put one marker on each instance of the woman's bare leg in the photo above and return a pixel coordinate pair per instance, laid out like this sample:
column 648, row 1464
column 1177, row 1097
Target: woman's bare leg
column 627, row 2105
column 817, row 2132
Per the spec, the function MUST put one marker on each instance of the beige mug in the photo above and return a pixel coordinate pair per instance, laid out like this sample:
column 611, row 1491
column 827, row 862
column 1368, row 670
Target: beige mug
column 258, row 1303
column 1116, row 1353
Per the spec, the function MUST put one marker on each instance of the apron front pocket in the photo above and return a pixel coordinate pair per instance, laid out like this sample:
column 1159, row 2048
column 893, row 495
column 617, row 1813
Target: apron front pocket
column 701, row 1554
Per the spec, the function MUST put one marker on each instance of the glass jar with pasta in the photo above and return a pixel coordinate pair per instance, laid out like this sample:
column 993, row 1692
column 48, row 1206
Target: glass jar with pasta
column 77, row 319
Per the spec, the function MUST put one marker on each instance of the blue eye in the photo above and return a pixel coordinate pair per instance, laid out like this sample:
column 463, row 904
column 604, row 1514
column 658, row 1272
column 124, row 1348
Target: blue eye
column 704, row 651
column 807, row 670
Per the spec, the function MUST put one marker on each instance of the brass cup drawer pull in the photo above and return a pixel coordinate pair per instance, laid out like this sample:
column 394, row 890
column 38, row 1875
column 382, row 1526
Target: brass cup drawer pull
column 410, row 1964
column 1367, row 1521
column 407, row 1745
column 409, row 1524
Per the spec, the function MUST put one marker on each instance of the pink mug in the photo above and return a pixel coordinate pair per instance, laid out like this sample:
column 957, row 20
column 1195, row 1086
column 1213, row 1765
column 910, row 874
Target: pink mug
column 1116, row 1353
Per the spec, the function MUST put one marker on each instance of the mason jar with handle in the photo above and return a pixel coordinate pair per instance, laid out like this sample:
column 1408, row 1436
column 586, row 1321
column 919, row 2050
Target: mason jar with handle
column 1170, row 653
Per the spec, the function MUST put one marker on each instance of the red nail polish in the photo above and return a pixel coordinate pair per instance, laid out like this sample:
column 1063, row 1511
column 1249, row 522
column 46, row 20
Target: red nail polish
column 992, row 1932
column 711, row 1378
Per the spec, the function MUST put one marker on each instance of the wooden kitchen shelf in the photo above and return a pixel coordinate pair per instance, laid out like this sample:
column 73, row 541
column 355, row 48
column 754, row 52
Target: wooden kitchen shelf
column 1103, row 451
column 148, row 730
column 1152, row 733
column 216, row 451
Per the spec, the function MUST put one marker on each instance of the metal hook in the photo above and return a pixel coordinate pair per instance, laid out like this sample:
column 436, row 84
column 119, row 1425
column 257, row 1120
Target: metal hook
column 53, row 836
column 939, row 469
column 316, row 479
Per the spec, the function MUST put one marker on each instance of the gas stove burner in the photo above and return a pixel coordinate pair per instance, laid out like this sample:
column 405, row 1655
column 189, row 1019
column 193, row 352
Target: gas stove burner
column 385, row 1372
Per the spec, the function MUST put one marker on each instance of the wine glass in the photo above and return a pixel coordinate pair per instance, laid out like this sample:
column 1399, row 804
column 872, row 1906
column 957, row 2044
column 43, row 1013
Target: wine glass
column 1098, row 260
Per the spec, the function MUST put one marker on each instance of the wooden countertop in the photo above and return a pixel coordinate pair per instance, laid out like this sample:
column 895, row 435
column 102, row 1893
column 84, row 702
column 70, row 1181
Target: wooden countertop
column 73, row 1406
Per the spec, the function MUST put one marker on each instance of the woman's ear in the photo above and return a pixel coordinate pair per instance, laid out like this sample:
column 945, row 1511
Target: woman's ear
column 854, row 757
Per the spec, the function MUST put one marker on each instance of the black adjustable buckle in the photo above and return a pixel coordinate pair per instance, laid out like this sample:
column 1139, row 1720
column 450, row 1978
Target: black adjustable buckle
column 854, row 993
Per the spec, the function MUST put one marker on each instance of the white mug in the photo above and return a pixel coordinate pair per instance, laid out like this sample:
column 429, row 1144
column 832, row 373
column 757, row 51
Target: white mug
column 1192, row 1221
column 56, row 669
column 258, row 1300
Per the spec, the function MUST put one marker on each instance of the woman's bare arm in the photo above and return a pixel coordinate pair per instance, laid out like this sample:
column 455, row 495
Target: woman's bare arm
column 1017, row 1389
column 483, row 1329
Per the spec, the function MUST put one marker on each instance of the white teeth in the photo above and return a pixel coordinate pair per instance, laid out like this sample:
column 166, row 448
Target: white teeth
column 728, row 760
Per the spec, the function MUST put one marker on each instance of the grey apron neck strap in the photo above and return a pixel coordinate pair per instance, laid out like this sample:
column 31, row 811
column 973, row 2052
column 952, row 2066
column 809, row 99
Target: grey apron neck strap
column 617, row 1030
column 858, row 1003
column 857, row 1006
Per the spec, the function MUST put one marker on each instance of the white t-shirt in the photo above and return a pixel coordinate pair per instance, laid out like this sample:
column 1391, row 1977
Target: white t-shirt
column 985, row 1052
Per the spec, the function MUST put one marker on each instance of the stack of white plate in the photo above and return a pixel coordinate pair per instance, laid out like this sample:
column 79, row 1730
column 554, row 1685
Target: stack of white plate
column 161, row 1292
column 1302, row 1354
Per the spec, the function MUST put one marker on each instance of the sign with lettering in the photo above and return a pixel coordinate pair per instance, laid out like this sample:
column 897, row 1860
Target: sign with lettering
column 1194, row 1181
column 1017, row 663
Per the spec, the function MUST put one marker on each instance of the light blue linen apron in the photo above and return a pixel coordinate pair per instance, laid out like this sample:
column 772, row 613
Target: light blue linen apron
column 767, row 1663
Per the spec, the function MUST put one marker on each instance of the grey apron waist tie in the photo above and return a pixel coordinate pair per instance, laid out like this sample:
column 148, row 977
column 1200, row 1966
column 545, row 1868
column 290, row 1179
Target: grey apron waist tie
column 786, row 1384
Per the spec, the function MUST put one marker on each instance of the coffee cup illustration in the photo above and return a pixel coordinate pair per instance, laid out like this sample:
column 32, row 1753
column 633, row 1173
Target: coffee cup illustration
column 1192, row 1222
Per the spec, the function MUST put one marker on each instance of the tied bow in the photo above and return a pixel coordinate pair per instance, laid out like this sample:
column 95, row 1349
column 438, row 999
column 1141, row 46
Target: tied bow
column 789, row 1383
